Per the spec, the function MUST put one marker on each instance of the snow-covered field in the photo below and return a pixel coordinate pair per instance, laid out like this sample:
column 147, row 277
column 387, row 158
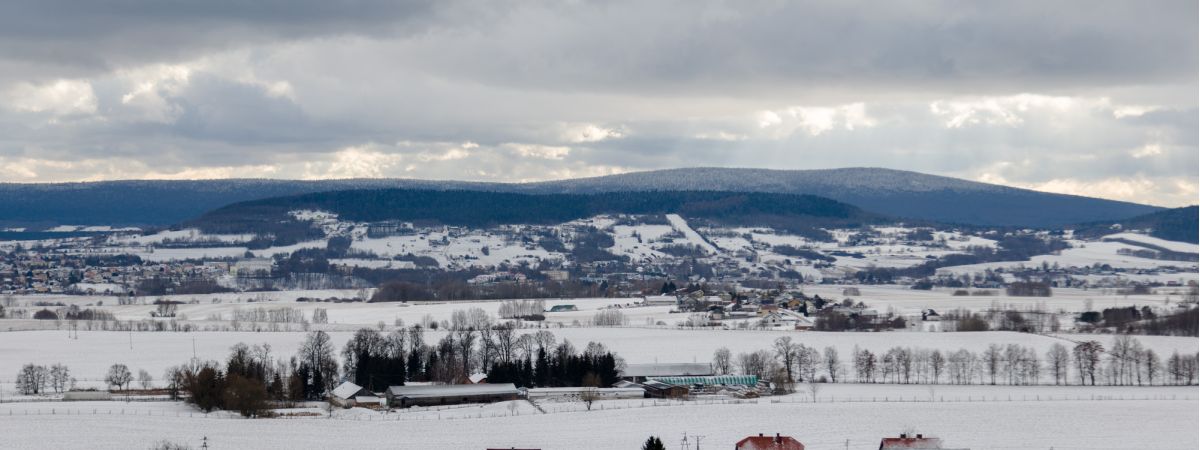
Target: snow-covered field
column 899, row 299
column 904, row 299
column 1150, row 421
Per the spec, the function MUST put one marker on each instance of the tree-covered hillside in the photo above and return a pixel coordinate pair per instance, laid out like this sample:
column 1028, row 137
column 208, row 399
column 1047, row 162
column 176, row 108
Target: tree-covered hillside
column 1178, row 224
column 894, row 193
column 482, row 208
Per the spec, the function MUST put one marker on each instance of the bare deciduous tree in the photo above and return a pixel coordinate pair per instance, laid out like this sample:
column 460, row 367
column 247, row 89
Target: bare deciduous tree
column 119, row 376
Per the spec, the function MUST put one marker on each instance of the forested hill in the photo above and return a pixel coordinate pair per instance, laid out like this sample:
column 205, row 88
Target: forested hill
column 889, row 192
column 896, row 193
column 1178, row 224
column 483, row 208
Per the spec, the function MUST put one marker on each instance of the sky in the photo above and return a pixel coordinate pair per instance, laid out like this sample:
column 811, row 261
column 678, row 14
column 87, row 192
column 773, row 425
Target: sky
column 1093, row 98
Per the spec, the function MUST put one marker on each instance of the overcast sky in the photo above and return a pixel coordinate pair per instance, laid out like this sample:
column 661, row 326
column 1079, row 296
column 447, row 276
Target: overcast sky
column 1090, row 97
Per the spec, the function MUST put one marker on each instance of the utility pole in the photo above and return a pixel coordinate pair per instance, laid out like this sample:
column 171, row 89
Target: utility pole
column 686, row 444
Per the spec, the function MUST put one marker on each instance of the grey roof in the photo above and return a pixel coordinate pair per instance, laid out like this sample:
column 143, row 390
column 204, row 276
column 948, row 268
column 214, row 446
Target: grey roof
column 667, row 370
column 347, row 390
column 443, row 390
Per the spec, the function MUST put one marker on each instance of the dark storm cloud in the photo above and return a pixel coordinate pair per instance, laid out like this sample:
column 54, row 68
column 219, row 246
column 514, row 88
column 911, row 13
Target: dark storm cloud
column 68, row 38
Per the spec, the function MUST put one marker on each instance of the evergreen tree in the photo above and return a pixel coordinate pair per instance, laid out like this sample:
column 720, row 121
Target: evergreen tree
column 653, row 443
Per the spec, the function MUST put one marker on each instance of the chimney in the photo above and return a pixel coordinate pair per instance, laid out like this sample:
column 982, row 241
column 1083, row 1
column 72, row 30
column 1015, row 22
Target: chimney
column 903, row 436
column 919, row 436
column 777, row 438
column 759, row 434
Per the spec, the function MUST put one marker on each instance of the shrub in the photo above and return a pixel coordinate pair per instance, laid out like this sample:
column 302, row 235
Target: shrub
column 45, row 314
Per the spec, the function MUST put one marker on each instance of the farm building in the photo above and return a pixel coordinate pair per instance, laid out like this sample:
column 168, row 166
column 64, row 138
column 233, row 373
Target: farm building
column 563, row 308
column 775, row 442
column 660, row 300
column 577, row 392
column 349, row 394
column 658, row 389
column 83, row 396
column 907, row 442
column 449, row 394
column 715, row 380
column 641, row 372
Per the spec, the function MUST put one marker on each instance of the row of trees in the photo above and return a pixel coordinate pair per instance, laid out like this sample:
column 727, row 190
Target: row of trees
column 560, row 367
column 1127, row 362
column 35, row 379
column 251, row 377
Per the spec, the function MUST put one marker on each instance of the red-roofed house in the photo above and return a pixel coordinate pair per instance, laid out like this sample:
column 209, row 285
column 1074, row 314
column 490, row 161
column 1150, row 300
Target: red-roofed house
column 776, row 442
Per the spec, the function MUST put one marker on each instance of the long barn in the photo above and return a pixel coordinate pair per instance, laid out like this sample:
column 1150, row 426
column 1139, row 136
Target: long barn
column 449, row 394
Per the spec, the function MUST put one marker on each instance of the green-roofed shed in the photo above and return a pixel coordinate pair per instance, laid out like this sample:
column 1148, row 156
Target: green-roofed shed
column 741, row 380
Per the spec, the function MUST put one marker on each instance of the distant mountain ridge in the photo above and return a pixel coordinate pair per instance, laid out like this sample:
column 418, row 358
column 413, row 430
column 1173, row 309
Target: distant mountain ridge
column 884, row 191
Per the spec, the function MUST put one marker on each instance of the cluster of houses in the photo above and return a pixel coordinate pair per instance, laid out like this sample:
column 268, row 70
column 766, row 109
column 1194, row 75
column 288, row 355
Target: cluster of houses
column 780, row 442
column 73, row 272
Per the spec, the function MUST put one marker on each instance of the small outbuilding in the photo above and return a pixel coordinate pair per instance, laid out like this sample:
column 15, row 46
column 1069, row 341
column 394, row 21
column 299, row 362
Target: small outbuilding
column 349, row 395
column 658, row 389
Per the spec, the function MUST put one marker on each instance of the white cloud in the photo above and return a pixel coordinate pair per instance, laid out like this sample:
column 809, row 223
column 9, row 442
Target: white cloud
column 814, row 120
column 1004, row 110
column 590, row 133
column 1146, row 150
column 540, row 151
column 150, row 89
column 1138, row 188
column 60, row 97
column 353, row 162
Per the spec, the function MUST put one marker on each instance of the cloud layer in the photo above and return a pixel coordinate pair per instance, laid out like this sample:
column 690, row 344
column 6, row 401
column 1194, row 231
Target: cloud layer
column 1090, row 98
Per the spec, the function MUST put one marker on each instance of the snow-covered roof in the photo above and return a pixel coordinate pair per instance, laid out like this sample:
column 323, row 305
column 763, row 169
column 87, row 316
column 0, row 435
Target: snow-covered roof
column 660, row 299
column 910, row 442
column 346, row 390
column 776, row 442
column 452, row 389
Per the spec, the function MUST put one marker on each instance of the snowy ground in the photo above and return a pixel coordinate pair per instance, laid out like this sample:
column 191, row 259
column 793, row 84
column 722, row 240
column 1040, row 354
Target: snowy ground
column 1035, row 422
column 884, row 298
column 903, row 299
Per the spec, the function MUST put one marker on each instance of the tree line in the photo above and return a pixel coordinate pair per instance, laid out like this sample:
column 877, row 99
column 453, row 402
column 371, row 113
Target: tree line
column 1126, row 362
